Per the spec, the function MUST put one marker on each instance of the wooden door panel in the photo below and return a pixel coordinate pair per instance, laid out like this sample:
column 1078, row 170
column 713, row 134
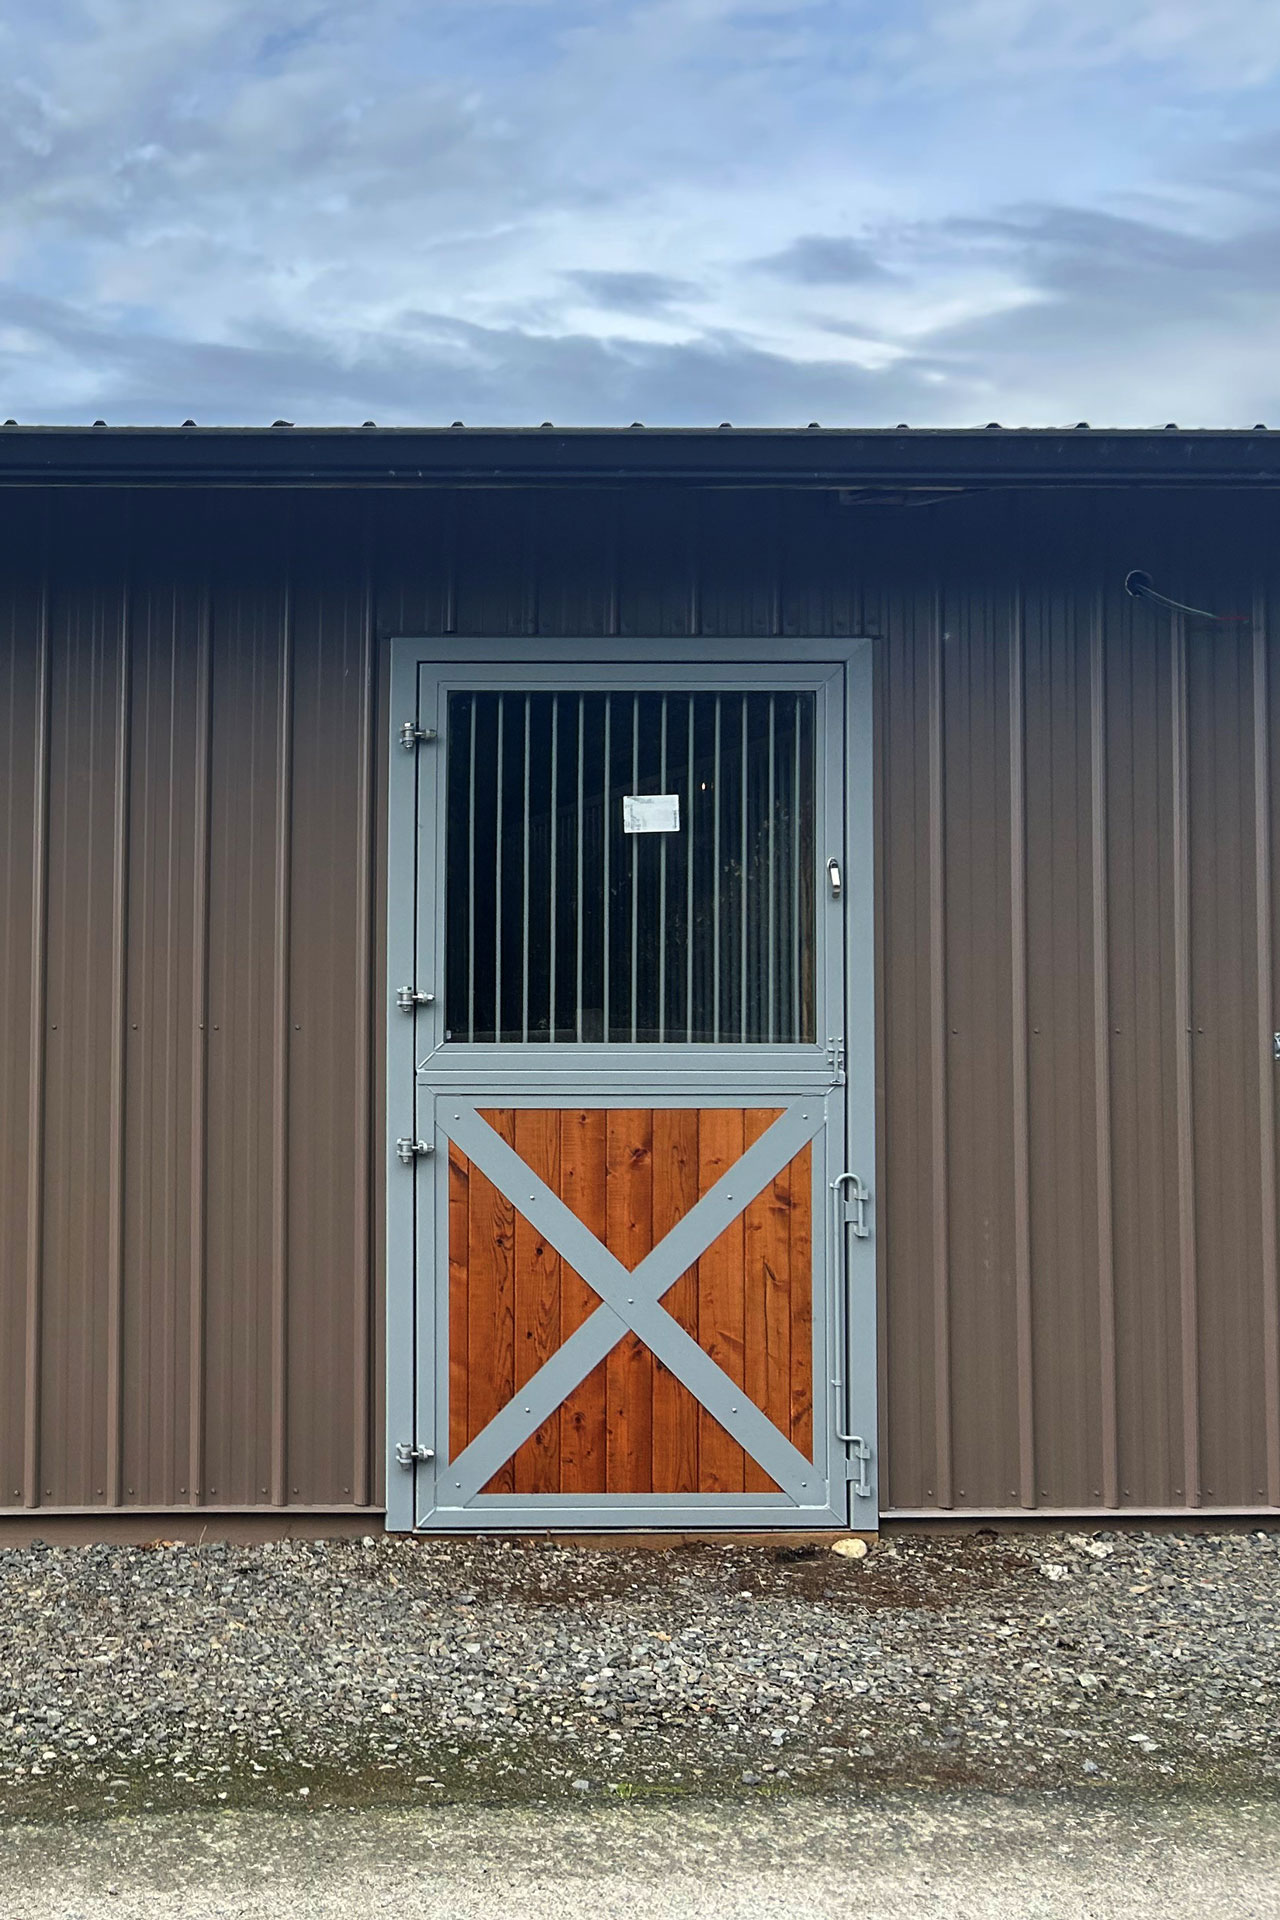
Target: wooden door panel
column 629, row 1174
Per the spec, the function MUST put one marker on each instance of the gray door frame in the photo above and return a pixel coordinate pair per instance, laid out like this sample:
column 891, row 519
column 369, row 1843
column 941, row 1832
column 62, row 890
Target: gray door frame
column 433, row 1090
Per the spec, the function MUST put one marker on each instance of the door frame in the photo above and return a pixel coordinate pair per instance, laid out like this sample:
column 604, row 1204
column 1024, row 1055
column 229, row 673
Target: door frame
column 851, row 1278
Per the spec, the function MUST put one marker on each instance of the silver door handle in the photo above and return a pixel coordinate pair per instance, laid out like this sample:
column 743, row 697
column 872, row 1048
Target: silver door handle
column 833, row 876
column 849, row 1209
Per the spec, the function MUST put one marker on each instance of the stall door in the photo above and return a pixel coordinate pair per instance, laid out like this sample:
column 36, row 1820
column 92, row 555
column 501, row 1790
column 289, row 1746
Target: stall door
column 632, row 1209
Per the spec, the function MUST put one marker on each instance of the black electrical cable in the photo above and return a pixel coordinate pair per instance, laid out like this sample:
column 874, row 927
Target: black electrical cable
column 1140, row 587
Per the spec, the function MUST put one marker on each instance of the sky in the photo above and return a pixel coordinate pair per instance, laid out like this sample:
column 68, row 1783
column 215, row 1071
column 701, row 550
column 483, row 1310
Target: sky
column 860, row 212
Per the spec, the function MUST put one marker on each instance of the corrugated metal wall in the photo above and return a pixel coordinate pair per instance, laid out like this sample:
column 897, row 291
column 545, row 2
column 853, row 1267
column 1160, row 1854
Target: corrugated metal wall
column 1077, row 947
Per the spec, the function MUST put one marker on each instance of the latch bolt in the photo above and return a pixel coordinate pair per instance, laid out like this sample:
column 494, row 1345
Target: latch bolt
column 409, row 1150
column 407, row 1454
column 412, row 735
column 407, row 998
column 854, row 1194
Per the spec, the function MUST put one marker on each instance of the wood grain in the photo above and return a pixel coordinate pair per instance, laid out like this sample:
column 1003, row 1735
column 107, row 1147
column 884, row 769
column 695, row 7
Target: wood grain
column 800, row 1173
column 629, row 1204
column 584, row 1415
column 721, row 1318
column 675, row 1190
column 629, row 1175
column 491, row 1301
column 537, row 1283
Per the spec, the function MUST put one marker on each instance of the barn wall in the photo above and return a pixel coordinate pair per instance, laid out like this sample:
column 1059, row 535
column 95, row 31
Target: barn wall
column 1077, row 834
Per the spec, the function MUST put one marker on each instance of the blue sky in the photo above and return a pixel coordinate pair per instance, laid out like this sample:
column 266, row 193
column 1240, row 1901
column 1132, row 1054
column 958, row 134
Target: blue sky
column 678, row 211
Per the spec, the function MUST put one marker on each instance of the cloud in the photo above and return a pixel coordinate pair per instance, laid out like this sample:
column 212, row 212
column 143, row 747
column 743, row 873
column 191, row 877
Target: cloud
column 637, row 292
column 823, row 260
column 337, row 209
column 1147, row 321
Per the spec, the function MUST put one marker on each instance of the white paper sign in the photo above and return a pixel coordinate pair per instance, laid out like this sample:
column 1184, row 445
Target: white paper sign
column 651, row 813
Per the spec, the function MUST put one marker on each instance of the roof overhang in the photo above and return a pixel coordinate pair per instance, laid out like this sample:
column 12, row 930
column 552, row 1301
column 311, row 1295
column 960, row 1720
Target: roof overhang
column 897, row 460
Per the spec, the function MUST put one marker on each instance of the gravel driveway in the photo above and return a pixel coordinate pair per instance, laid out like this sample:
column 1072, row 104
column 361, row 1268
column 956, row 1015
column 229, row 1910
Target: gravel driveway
column 396, row 1672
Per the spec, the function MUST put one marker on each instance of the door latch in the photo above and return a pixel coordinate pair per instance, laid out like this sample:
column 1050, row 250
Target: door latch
column 409, row 1150
column 407, row 998
column 853, row 1202
column 408, row 1454
column 834, row 879
column 412, row 735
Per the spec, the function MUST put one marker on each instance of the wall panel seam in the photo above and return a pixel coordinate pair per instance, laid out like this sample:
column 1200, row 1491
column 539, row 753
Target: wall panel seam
column 938, row 1065
column 281, row 1050
column 34, row 1304
column 1104, row 1173
column 201, row 885
column 1266, row 1027
column 118, row 1068
column 1018, row 1012
column 366, row 898
column 1183, row 1066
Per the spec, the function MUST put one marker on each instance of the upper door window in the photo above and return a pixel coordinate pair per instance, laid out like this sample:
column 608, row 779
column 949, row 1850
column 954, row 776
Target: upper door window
column 630, row 868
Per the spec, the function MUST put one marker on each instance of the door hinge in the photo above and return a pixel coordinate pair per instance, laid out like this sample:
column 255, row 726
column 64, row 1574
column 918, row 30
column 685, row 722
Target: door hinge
column 860, row 1457
column 835, row 1059
column 407, row 998
column 408, row 1454
column 409, row 1150
column 412, row 735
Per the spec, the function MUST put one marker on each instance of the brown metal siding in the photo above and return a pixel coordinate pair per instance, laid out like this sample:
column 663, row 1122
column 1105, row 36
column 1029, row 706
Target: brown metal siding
column 1077, row 956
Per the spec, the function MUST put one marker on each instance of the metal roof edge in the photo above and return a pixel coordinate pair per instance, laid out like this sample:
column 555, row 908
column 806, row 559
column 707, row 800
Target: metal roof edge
column 820, row 457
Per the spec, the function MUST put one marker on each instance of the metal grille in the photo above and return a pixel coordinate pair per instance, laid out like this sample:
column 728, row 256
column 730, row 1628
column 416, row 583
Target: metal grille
column 564, row 926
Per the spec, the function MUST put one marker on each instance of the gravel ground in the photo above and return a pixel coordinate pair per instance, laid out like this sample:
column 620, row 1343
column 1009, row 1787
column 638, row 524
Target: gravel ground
column 349, row 1674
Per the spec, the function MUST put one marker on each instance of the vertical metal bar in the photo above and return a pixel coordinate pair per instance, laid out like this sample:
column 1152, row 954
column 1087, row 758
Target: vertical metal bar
column 1266, row 1027
column 1181, row 860
column 524, row 888
column 797, row 934
column 39, row 1017
column 938, row 1069
column 555, row 825
column 577, row 1001
column 471, row 871
column 635, row 867
column 662, row 891
column 772, row 903
column 497, row 872
column 743, row 856
column 1103, row 1170
column 688, row 882
column 606, row 832
column 1021, row 1165
column 715, row 881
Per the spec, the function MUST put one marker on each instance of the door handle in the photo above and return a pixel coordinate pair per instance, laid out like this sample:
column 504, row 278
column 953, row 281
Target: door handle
column 849, row 1209
column 833, row 878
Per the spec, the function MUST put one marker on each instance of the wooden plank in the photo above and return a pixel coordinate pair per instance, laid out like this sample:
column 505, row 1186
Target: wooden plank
column 801, row 1301
column 675, row 1190
column 491, row 1302
column 767, row 1304
column 721, row 1330
column 584, row 1415
column 459, row 1276
column 629, row 1207
column 537, row 1284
